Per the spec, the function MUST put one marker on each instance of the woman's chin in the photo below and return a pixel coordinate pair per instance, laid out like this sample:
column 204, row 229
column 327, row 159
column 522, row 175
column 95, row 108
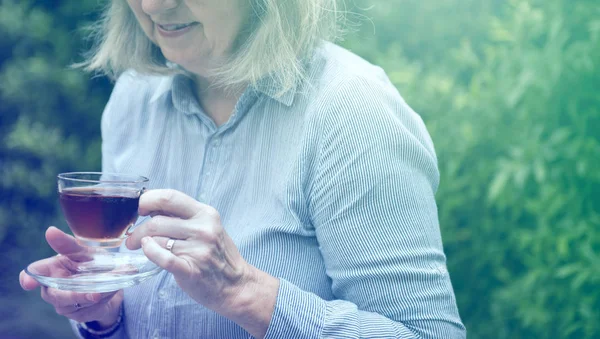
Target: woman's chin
column 182, row 59
column 197, row 66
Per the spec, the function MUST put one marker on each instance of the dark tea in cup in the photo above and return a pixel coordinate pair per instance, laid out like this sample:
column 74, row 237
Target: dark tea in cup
column 100, row 207
column 99, row 213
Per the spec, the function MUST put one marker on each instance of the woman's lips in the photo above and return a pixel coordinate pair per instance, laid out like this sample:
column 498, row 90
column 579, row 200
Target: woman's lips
column 174, row 30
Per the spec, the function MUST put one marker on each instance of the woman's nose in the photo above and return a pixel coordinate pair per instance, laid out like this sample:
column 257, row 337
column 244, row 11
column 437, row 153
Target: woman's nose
column 155, row 7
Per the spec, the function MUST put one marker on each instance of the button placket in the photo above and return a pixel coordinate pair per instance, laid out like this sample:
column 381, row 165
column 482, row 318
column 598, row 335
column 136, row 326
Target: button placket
column 210, row 159
column 216, row 143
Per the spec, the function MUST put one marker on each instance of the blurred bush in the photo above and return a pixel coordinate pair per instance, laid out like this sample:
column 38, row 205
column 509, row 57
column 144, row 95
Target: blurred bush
column 49, row 123
column 508, row 90
column 510, row 93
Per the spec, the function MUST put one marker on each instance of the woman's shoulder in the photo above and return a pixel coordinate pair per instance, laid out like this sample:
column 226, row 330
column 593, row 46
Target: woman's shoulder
column 341, row 82
column 334, row 66
column 345, row 88
column 355, row 99
column 133, row 98
column 132, row 86
column 133, row 95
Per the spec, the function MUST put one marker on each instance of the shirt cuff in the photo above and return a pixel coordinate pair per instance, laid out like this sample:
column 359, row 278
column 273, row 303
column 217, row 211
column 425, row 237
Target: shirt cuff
column 119, row 333
column 297, row 314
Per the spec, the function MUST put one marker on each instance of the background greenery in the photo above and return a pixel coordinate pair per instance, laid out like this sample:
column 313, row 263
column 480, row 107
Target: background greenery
column 509, row 89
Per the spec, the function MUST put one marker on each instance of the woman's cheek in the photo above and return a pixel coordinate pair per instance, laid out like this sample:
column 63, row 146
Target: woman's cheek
column 143, row 19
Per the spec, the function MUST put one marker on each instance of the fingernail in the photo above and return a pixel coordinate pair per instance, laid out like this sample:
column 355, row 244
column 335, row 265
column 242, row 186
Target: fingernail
column 145, row 240
column 90, row 297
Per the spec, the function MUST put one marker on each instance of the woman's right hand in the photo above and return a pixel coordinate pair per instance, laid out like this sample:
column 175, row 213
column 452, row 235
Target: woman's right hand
column 103, row 308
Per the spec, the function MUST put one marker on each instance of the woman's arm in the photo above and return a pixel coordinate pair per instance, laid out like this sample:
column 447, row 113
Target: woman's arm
column 373, row 208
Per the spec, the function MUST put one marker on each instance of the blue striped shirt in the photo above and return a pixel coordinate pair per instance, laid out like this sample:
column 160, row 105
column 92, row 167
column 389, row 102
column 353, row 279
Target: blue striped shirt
column 329, row 187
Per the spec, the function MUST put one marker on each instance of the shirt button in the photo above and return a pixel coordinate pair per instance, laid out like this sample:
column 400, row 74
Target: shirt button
column 217, row 143
column 162, row 294
column 156, row 335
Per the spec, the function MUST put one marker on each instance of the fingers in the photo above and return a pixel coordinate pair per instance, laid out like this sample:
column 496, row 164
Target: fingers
column 169, row 202
column 105, row 305
column 97, row 311
column 179, row 247
column 27, row 282
column 159, row 226
column 162, row 242
column 164, row 258
column 61, row 242
column 78, row 307
column 67, row 299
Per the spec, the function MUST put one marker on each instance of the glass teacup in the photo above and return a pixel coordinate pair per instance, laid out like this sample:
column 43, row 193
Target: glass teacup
column 100, row 208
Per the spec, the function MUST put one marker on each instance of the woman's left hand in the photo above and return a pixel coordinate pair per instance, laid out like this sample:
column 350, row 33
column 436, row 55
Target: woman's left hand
column 203, row 259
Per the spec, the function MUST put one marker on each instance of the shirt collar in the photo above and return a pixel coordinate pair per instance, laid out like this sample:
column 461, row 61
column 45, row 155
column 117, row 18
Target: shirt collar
column 271, row 89
column 180, row 90
column 165, row 85
column 265, row 86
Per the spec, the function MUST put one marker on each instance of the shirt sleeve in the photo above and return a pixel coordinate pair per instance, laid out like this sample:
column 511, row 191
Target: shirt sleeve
column 372, row 205
column 119, row 333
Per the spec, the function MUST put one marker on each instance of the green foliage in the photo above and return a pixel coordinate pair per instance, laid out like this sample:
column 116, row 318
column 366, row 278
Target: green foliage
column 49, row 123
column 510, row 96
column 507, row 88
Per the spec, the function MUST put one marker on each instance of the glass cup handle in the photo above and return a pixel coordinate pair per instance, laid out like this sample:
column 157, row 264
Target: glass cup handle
column 135, row 225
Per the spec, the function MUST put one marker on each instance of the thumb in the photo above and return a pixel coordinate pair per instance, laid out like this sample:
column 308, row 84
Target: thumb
column 27, row 282
column 61, row 242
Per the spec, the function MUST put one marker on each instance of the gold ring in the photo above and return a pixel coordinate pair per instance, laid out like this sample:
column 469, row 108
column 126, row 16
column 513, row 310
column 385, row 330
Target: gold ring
column 170, row 244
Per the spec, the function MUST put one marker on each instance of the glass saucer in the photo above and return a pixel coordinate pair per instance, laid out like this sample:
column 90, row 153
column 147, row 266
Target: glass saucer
column 93, row 272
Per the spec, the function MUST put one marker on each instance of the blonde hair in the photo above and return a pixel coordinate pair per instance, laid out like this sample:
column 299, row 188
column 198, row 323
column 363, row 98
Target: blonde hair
column 280, row 36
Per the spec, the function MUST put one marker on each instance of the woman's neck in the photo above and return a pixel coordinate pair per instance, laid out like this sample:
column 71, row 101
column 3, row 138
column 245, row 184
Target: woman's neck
column 216, row 102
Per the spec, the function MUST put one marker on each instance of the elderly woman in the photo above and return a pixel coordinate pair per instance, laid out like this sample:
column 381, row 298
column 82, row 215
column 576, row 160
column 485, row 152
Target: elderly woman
column 293, row 188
